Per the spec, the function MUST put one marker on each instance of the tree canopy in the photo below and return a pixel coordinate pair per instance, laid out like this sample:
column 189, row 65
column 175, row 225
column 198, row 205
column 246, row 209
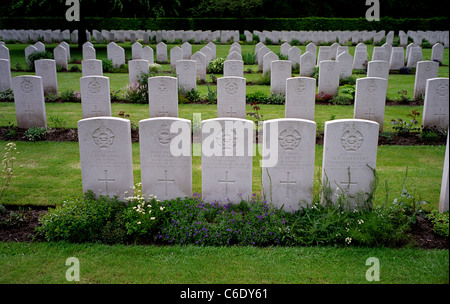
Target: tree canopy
column 223, row 8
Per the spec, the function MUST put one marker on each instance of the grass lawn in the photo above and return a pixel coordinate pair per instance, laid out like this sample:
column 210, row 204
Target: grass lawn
column 37, row 263
column 48, row 172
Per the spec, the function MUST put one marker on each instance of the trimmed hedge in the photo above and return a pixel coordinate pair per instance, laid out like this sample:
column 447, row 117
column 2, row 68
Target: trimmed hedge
column 307, row 24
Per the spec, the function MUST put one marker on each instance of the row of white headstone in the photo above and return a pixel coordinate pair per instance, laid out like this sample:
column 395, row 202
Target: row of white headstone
column 370, row 95
column 343, row 37
column 288, row 160
column 349, row 158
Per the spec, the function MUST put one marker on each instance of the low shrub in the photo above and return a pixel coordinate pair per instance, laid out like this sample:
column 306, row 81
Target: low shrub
column 7, row 95
column 36, row 56
column 216, row 66
column 70, row 96
column 35, row 133
column 440, row 221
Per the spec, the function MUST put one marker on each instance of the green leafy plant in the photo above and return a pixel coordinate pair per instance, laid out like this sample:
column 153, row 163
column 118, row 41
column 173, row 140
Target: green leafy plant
column 216, row 66
column 107, row 65
column 249, row 58
column 7, row 167
column 211, row 96
column 70, row 95
column 58, row 122
column 440, row 221
column 403, row 127
column 7, row 95
column 193, row 95
column 35, row 133
column 36, row 56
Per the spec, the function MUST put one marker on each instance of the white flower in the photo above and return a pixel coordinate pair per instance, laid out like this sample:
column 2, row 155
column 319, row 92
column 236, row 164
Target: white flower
column 348, row 240
column 138, row 223
column 161, row 208
column 360, row 222
column 152, row 218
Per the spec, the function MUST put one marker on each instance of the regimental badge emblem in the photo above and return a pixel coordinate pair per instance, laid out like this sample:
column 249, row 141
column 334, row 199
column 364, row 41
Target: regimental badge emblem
column 163, row 135
column 351, row 139
column 442, row 90
column 94, row 87
column 103, row 138
column 231, row 87
column 26, row 86
column 289, row 139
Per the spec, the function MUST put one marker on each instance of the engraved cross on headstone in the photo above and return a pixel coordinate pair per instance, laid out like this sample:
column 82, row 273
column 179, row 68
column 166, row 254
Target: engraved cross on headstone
column 440, row 115
column 370, row 113
column 106, row 180
column 231, row 112
column 95, row 111
column 165, row 181
column 29, row 111
column 226, row 181
column 163, row 113
column 287, row 182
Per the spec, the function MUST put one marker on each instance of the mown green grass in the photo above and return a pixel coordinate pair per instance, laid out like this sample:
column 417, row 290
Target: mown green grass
column 37, row 263
column 46, row 173
column 70, row 113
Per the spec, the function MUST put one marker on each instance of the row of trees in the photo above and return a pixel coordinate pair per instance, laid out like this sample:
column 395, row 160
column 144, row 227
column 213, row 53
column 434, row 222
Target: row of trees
column 223, row 8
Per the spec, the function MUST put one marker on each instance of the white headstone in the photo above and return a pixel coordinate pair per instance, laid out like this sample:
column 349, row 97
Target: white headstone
column 436, row 104
column 185, row 70
column 345, row 65
column 414, row 56
column 5, row 75
column 324, row 54
column 233, row 68
column 147, row 54
column 28, row 51
column 106, row 156
column 161, row 52
column 370, row 99
column 307, row 64
column 234, row 56
column 46, row 68
column 29, row 101
column 136, row 68
column 280, row 71
column 288, row 169
column 89, row 51
column 437, row 52
column 300, row 97
column 284, row 49
column 95, row 96
column 136, row 51
column 187, row 50
column 349, row 158
column 444, row 197
column 227, row 150
column 397, row 60
column 329, row 77
column 176, row 53
column 163, row 96
column 200, row 65
column 231, row 97
column 294, row 54
column 360, row 57
column 91, row 67
column 267, row 61
column 116, row 54
column 166, row 169
column 4, row 52
column 378, row 68
column 424, row 70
